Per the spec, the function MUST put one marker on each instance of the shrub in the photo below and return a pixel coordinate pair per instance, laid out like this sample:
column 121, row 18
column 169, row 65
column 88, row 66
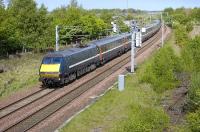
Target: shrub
column 187, row 61
column 194, row 92
column 191, row 55
column 194, row 48
column 189, row 27
column 193, row 120
column 160, row 72
column 146, row 120
column 181, row 35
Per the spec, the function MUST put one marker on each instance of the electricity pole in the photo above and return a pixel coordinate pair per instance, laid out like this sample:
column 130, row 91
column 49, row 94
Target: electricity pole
column 57, row 38
column 133, row 52
column 136, row 42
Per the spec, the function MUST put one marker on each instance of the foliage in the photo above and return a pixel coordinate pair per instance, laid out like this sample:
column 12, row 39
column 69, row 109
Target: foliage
column 181, row 35
column 73, row 3
column 24, row 25
column 191, row 55
column 129, row 17
column 146, row 120
column 195, row 14
column 169, row 10
column 160, row 72
column 191, row 60
column 107, row 17
column 193, row 121
column 194, row 92
column 137, row 108
column 190, row 50
column 180, row 18
column 189, row 27
column 93, row 26
column 194, row 48
column 187, row 61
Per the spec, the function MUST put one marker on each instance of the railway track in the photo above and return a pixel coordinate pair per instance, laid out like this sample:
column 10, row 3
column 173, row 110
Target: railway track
column 24, row 102
column 175, row 107
column 56, row 99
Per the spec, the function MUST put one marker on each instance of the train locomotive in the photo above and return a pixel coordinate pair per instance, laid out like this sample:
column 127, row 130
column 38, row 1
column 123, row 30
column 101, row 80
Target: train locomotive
column 62, row 67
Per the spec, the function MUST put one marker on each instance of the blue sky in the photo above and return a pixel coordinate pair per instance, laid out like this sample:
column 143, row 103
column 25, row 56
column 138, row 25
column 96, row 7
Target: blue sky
column 136, row 4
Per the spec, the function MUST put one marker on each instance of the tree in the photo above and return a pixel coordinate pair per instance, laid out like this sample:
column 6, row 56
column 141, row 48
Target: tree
column 2, row 11
column 71, row 24
column 43, row 29
column 106, row 16
column 169, row 10
column 93, row 26
column 73, row 3
column 2, row 4
column 24, row 14
column 195, row 14
column 32, row 26
column 129, row 17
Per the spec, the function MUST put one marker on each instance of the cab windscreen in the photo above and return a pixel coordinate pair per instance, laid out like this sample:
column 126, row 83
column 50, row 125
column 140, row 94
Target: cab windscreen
column 51, row 64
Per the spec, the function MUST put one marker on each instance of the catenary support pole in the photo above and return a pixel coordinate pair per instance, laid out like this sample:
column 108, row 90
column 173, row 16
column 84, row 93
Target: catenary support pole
column 133, row 52
column 57, row 38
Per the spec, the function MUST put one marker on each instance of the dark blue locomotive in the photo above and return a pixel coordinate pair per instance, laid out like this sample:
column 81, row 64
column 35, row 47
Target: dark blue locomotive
column 65, row 66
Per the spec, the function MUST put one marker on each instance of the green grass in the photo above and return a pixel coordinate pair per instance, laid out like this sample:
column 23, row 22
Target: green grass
column 22, row 73
column 161, row 70
column 135, row 109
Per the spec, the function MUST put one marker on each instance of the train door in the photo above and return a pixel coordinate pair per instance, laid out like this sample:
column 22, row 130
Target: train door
column 100, row 52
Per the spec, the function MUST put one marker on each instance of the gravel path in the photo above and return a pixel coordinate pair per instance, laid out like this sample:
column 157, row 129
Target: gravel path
column 175, row 101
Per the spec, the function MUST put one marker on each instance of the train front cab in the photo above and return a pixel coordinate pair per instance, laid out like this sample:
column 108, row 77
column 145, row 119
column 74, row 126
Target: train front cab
column 51, row 71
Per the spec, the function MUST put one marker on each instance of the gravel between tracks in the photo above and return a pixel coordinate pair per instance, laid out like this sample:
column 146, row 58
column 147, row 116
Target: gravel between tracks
column 19, row 95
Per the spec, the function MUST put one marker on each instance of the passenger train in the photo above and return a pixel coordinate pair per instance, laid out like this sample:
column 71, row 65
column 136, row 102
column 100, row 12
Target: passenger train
column 62, row 67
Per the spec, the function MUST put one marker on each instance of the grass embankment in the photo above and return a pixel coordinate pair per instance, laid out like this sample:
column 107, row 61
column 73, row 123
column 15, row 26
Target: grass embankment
column 21, row 73
column 138, row 107
column 191, row 57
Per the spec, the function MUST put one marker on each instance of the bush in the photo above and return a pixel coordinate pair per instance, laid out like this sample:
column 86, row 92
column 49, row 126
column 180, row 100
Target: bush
column 194, row 92
column 160, row 72
column 194, row 48
column 187, row 61
column 191, row 55
column 193, row 120
column 181, row 35
column 146, row 120
column 189, row 27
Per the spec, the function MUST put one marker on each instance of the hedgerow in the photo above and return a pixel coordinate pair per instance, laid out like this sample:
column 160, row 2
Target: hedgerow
column 191, row 64
column 193, row 120
column 161, row 71
column 194, row 92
